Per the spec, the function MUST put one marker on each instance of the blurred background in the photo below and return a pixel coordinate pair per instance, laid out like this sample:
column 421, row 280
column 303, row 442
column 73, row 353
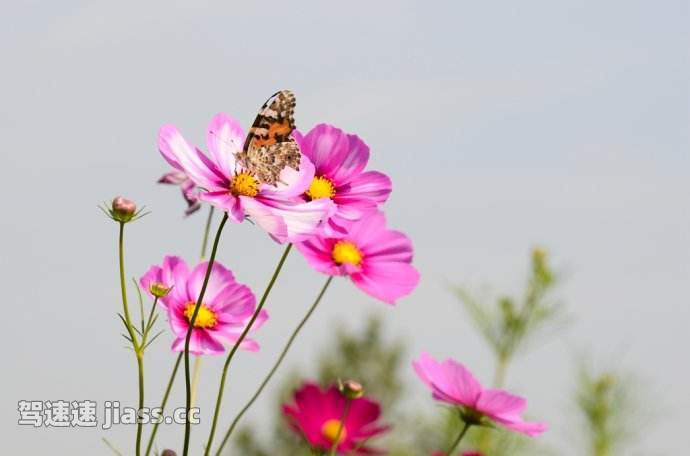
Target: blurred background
column 504, row 126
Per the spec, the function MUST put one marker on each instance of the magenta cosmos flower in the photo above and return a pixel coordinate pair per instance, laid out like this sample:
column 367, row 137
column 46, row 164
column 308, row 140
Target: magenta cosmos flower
column 452, row 383
column 223, row 182
column 376, row 259
column 224, row 313
column 189, row 192
column 339, row 160
column 316, row 415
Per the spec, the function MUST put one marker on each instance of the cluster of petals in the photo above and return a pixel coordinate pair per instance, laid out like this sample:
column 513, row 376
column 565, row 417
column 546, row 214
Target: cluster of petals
column 189, row 192
column 316, row 415
column 452, row 383
column 223, row 182
column 225, row 311
column 376, row 259
column 339, row 161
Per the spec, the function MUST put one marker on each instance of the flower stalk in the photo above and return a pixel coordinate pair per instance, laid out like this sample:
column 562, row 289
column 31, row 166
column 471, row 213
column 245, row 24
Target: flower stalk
column 138, row 349
column 275, row 367
column 149, row 446
column 207, row 230
column 341, row 426
column 228, row 360
column 171, row 381
column 188, row 338
column 457, row 440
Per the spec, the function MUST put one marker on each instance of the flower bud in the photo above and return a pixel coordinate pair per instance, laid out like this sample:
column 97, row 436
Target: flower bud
column 539, row 254
column 159, row 290
column 540, row 265
column 168, row 453
column 605, row 383
column 123, row 209
column 351, row 389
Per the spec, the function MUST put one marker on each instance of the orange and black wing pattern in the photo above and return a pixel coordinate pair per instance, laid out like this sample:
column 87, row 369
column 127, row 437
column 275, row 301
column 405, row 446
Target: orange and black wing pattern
column 269, row 148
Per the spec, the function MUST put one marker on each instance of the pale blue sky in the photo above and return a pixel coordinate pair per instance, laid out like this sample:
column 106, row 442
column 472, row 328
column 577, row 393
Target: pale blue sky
column 502, row 124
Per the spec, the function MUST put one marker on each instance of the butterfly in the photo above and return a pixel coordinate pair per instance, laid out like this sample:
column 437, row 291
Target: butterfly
column 269, row 148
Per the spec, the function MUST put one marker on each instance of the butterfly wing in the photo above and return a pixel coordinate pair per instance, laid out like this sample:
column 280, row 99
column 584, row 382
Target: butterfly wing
column 269, row 148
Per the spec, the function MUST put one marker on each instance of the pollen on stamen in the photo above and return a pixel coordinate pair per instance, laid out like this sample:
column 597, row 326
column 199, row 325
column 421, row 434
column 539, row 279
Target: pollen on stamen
column 205, row 318
column 345, row 252
column 244, row 184
column 330, row 431
column 320, row 187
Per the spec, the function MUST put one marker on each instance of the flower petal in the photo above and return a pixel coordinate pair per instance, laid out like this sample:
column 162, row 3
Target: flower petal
column 265, row 218
column 495, row 402
column 300, row 219
column 220, row 278
column 227, row 202
column 318, row 253
column 524, row 427
column 183, row 156
column 387, row 281
column 225, row 138
column 327, row 147
column 354, row 161
column 450, row 381
column 365, row 190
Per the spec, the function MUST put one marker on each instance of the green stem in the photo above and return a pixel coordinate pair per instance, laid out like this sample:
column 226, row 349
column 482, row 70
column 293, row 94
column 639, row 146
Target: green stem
column 149, row 322
column 228, row 360
column 111, row 446
column 204, row 242
column 163, row 403
column 197, row 306
column 459, row 438
column 123, row 287
column 500, row 373
column 275, row 366
column 196, row 372
column 341, row 425
column 140, row 367
column 135, row 343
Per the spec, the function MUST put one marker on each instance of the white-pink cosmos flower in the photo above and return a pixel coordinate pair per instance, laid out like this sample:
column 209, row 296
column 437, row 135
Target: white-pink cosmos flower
column 223, row 181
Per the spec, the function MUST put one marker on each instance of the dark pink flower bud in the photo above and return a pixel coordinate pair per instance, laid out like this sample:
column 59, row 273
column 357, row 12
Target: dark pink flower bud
column 123, row 209
column 168, row 453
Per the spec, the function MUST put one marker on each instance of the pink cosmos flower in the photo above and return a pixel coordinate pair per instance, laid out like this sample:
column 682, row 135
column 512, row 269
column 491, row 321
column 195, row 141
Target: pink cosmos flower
column 316, row 415
column 225, row 311
column 452, row 383
column 188, row 188
column 339, row 160
column 375, row 258
column 278, row 209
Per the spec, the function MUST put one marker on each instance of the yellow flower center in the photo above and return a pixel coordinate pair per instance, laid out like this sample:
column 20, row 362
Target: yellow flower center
column 244, row 184
column 206, row 318
column 330, row 431
column 320, row 187
column 345, row 252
